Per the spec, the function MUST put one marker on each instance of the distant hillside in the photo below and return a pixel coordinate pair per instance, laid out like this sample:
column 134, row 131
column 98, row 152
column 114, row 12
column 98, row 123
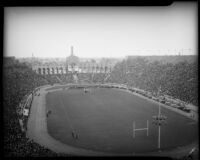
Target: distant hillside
column 169, row 59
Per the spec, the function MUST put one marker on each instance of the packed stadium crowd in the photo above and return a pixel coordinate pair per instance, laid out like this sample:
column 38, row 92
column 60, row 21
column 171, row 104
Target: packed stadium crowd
column 19, row 80
column 178, row 80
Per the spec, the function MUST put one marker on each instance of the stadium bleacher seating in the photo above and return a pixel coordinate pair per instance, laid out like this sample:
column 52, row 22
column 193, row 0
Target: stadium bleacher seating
column 19, row 80
column 178, row 81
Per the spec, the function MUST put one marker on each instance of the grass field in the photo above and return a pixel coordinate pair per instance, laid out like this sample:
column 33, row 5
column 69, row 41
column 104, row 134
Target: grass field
column 104, row 119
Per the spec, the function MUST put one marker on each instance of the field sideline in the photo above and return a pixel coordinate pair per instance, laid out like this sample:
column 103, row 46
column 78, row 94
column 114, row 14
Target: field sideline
column 92, row 138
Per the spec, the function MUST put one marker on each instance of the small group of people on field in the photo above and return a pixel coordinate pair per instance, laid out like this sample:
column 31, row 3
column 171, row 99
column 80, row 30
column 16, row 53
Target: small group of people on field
column 75, row 135
column 48, row 113
column 85, row 90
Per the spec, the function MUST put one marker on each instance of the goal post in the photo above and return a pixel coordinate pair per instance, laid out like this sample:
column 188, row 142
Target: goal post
column 140, row 129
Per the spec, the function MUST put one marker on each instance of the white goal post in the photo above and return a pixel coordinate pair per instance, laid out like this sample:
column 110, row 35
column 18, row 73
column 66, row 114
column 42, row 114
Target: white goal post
column 140, row 129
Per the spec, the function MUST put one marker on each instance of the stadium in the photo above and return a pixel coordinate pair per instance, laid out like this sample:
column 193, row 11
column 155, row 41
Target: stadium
column 94, row 113
column 129, row 88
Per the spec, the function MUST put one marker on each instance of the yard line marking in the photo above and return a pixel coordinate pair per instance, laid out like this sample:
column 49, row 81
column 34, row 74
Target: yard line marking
column 191, row 123
column 140, row 129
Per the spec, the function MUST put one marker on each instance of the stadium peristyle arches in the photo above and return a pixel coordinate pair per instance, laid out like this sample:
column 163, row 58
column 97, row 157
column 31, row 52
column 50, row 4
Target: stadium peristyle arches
column 67, row 69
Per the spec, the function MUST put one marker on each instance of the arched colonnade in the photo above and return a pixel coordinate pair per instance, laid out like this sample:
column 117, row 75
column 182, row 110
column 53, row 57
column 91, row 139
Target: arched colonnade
column 68, row 69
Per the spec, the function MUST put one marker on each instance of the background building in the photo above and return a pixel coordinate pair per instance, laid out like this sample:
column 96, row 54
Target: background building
column 73, row 64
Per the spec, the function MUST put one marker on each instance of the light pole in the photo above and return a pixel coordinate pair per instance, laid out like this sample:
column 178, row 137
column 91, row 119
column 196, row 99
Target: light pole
column 159, row 120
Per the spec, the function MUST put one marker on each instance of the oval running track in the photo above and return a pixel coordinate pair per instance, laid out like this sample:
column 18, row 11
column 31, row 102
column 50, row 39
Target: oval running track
column 37, row 131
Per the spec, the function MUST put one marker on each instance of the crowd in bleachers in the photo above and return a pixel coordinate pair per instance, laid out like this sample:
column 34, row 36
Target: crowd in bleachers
column 18, row 81
column 79, row 78
column 51, row 78
column 65, row 78
column 59, row 78
column 178, row 80
column 99, row 77
column 75, row 78
column 84, row 76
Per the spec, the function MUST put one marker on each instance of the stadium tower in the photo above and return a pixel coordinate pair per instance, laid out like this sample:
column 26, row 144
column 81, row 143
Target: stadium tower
column 72, row 65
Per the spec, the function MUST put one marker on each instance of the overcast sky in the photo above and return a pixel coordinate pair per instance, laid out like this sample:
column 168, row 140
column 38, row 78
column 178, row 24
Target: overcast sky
column 100, row 31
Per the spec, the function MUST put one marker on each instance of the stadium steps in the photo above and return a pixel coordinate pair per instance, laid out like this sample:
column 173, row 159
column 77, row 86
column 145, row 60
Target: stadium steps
column 59, row 79
column 84, row 77
column 105, row 79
